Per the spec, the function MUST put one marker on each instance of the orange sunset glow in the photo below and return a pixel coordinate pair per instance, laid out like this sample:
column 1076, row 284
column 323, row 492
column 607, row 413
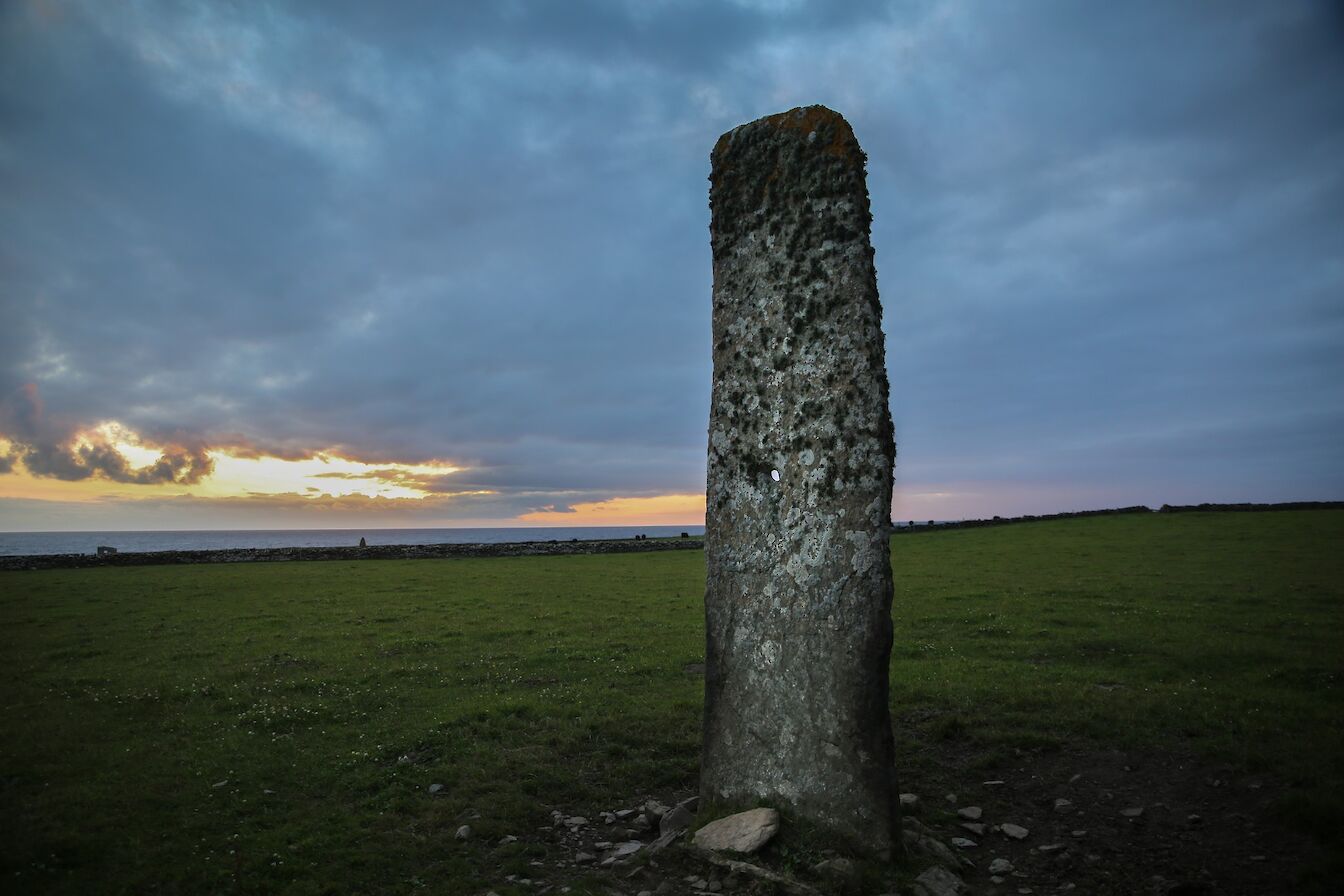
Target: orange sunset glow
column 327, row 482
column 660, row 510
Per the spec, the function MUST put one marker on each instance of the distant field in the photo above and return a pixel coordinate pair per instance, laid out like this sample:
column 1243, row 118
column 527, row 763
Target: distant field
column 275, row 727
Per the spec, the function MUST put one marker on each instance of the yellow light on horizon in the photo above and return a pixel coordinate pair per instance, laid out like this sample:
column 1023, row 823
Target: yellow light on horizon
column 657, row 510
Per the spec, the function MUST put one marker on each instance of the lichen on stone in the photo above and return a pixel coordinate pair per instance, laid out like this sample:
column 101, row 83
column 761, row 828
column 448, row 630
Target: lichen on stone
column 798, row 592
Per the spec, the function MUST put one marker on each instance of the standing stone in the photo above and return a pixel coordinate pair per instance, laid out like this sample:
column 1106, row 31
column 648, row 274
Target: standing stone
column 798, row 594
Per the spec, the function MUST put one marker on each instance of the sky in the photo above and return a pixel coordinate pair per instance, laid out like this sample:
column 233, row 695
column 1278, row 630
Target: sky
column 274, row 265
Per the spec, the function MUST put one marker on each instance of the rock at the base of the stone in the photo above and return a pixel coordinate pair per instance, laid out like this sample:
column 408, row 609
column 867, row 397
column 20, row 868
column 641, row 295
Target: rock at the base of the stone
column 744, row 832
column 938, row 881
column 798, row 574
column 679, row 817
column 1016, row 831
column 930, row 846
column 839, row 869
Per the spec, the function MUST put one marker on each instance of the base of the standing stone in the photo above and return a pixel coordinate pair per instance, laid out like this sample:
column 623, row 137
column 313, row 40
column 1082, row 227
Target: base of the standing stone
column 826, row 858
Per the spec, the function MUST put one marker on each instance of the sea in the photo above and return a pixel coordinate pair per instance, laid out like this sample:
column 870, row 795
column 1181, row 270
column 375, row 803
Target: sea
column 12, row 543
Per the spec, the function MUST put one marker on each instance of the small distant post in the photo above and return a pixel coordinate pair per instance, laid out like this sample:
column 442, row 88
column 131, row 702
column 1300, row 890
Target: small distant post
column 798, row 590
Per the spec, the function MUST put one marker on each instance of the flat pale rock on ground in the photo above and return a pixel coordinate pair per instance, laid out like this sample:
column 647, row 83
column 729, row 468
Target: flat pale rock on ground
column 744, row 832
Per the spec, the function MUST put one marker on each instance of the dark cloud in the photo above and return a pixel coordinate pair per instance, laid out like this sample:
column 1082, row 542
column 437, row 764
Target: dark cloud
column 50, row 448
column 477, row 233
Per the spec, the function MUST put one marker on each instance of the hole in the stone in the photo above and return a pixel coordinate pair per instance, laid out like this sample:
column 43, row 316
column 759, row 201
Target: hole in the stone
column 774, row 474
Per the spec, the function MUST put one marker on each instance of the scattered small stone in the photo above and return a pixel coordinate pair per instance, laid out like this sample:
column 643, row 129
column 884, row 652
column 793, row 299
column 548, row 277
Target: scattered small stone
column 1063, row 805
column 1067, row 887
column 583, row 858
column 603, row 844
column 435, row 788
column 1134, row 812
column 576, row 821
column 464, row 832
column 744, row 832
column 655, row 810
column 938, row 881
column 963, row 842
column 1000, row 866
column 628, row 848
column 1051, row 847
column 644, row 893
column 1193, row 819
column 975, row 828
column 995, row 879
column 663, row 841
column 268, row 792
column 914, row 824
column 993, row 784
column 506, row 840
column 678, row 818
column 1075, row 779
column 951, row 798
column 623, row 814
column 1025, row 891
column 608, row 817
column 1016, row 831
column 1078, row 834
column 931, row 847
column 909, row 801
column 970, row 813
column 835, row 868
column 219, row 784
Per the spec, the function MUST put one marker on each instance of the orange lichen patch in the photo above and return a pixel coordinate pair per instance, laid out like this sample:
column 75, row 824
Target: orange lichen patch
column 818, row 118
column 806, row 119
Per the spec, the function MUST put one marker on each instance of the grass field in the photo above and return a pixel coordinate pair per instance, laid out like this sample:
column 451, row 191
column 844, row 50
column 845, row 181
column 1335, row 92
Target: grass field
column 275, row 727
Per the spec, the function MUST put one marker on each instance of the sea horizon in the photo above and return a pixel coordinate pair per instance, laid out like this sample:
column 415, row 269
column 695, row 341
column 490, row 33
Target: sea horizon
column 144, row 540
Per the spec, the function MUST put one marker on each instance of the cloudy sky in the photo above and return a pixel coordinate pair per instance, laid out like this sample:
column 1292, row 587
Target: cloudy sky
column 332, row 264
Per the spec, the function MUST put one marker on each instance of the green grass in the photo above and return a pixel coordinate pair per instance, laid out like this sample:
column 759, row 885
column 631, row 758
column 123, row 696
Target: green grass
column 522, row 684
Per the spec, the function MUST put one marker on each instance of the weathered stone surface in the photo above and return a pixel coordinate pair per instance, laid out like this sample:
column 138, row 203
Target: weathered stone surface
column 744, row 832
column 798, row 593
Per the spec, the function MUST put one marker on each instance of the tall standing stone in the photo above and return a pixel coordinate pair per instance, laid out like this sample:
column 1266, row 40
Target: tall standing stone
column 798, row 596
